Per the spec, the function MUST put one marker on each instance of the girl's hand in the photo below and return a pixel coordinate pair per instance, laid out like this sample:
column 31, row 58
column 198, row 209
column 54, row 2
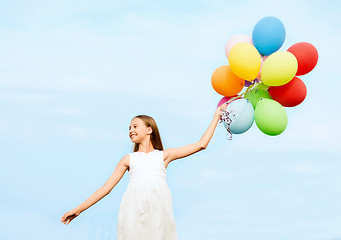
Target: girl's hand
column 219, row 109
column 69, row 216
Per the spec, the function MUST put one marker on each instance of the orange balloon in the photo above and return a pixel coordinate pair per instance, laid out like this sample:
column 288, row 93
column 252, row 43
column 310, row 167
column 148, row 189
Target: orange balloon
column 225, row 82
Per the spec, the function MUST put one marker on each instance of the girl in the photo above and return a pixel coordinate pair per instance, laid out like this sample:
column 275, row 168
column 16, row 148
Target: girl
column 146, row 211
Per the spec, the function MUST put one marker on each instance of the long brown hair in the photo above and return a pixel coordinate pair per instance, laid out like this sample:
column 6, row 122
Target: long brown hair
column 154, row 136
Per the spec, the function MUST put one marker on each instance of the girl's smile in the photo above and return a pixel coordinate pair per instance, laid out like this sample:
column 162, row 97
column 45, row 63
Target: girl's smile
column 138, row 130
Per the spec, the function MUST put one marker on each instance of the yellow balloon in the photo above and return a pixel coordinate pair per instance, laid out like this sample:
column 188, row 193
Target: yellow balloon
column 279, row 68
column 244, row 61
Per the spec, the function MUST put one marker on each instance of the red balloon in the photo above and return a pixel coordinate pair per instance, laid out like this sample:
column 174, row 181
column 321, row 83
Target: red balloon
column 290, row 94
column 306, row 55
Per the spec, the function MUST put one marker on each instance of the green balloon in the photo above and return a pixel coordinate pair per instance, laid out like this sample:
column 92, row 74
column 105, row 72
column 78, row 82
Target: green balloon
column 271, row 117
column 258, row 93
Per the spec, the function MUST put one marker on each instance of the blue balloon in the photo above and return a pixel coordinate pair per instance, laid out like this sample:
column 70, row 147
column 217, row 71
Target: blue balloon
column 242, row 116
column 268, row 35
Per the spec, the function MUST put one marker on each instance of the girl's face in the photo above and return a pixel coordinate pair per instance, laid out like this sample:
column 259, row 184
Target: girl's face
column 138, row 130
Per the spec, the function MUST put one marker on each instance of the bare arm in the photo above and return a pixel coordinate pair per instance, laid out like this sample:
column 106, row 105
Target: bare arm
column 171, row 154
column 121, row 167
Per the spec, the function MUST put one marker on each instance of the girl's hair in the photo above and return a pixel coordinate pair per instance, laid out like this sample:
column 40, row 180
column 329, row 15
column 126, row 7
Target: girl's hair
column 155, row 136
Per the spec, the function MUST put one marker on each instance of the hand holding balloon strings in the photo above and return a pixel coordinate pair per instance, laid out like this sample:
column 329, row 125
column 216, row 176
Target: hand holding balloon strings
column 227, row 115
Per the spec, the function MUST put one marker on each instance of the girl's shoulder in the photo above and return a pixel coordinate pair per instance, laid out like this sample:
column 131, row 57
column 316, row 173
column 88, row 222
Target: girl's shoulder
column 125, row 161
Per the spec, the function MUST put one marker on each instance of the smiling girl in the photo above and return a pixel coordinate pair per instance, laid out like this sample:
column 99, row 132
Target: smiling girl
column 146, row 210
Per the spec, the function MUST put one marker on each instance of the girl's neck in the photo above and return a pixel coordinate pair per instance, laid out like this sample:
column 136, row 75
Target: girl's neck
column 146, row 146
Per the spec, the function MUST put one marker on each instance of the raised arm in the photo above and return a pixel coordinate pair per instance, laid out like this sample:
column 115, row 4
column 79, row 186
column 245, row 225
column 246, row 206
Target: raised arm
column 171, row 154
column 121, row 168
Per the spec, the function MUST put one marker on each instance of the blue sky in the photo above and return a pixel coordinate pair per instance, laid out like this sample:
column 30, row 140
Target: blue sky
column 74, row 73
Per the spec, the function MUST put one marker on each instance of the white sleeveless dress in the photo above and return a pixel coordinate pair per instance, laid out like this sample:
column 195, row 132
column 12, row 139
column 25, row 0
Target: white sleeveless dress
column 146, row 210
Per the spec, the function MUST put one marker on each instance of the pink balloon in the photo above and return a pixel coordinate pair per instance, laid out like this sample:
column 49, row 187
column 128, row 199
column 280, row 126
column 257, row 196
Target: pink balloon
column 224, row 100
column 236, row 39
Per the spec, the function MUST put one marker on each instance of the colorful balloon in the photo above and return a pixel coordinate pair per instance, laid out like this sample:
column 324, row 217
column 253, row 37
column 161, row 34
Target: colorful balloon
column 270, row 117
column 306, row 55
column 224, row 100
column 242, row 116
column 245, row 61
column 268, row 35
column 290, row 94
column 279, row 68
column 234, row 40
column 258, row 93
column 259, row 76
column 225, row 82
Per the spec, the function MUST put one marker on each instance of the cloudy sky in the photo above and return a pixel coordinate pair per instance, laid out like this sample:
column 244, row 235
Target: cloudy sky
column 74, row 73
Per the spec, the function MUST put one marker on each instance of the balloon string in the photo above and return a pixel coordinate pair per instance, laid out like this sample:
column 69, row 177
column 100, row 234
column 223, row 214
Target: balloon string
column 226, row 114
column 255, row 82
column 225, row 117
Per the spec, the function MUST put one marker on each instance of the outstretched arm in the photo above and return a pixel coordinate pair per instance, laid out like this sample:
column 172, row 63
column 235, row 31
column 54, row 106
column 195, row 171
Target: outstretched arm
column 121, row 167
column 171, row 154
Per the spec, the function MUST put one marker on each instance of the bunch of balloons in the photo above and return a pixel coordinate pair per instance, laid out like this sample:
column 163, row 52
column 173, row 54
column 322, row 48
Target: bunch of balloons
column 269, row 76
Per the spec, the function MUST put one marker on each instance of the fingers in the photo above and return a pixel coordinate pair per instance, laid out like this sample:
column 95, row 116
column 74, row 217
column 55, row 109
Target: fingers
column 222, row 106
column 65, row 218
column 71, row 218
column 66, row 221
